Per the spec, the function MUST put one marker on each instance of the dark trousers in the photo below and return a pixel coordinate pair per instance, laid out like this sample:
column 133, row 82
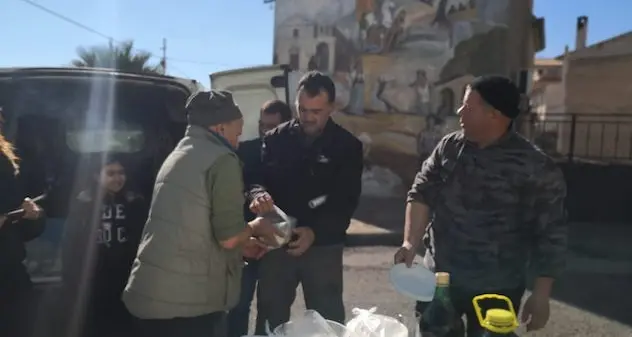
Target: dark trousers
column 17, row 313
column 318, row 270
column 210, row 325
column 110, row 322
column 462, row 301
column 238, row 317
column 98, row 320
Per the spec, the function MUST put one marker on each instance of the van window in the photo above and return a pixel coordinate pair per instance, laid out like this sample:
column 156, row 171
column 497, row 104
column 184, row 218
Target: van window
column 118, row 139
column 61, row 124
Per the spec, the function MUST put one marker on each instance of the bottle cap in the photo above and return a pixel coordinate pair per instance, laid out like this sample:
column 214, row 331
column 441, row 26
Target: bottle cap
column 443, row 278
column 500, row 318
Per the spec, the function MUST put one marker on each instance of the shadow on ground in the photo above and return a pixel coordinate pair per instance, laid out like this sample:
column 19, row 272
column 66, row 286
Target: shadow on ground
column 607, row 295
column 386, row 213
column 590, row 283
column 378, row 222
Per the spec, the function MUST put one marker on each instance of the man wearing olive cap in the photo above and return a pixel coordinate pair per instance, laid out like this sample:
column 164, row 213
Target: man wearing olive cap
column 187, row 272
column 497, row 205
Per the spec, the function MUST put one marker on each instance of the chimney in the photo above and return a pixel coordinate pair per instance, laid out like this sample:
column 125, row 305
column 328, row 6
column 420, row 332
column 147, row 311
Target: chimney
column 582, row 32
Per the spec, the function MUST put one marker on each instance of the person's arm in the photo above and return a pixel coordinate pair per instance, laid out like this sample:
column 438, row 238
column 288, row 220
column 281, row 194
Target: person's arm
column 547, row 216
column 341, row 203
column 138, row 211
column 225, row 190
column 32, row 229
column 422, row 196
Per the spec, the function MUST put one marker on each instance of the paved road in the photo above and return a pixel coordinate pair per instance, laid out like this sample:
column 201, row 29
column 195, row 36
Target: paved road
column 367, row 285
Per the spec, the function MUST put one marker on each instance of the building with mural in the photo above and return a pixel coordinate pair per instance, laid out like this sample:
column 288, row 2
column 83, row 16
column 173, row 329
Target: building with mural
column 401, row 66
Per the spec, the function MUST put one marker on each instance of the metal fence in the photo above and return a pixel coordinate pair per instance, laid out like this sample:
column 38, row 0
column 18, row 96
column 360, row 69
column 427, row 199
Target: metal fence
column 582, row 136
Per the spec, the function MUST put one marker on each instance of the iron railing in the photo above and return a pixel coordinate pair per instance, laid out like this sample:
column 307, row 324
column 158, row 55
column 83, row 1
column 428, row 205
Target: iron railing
column 582, row 136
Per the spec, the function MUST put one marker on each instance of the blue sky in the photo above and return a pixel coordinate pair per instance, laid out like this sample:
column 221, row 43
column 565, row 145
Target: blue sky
column 205, row 36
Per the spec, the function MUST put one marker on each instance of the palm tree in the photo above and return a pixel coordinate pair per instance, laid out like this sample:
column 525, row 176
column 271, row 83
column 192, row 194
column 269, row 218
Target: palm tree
column 122, row 57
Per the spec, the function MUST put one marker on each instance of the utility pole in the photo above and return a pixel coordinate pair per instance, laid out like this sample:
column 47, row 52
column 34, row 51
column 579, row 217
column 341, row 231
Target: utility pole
column 163, row 61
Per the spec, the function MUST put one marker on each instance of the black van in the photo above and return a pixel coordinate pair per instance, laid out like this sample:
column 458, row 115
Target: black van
column 57, row 117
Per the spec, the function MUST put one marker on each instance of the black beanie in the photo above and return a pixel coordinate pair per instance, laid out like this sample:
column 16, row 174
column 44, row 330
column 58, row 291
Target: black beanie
column 206, row 108
column 499, row 92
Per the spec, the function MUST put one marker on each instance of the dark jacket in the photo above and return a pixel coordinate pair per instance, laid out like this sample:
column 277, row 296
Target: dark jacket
column 496, row 209
column 326, row 174
column 14, row 233
column 249, row 153
column 100, row 244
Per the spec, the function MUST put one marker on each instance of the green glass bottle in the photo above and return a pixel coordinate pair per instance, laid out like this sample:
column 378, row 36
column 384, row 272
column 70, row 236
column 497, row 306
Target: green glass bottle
column 440, row 319
column 497, row 322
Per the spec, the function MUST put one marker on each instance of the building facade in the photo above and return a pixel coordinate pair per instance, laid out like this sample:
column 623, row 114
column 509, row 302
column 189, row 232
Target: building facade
column 401, row 66
column 591, row 105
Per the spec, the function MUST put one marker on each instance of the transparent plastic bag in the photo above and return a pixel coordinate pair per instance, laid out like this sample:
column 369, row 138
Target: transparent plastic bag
column 310, row 324
column 284, row 223
column 367, row 323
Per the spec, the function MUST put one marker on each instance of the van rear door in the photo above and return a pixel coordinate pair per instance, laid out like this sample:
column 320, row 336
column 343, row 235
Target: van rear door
column 251, row 87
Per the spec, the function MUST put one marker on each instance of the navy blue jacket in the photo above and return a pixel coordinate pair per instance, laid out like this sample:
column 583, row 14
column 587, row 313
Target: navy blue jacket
column 250, row 154
column 296, row 173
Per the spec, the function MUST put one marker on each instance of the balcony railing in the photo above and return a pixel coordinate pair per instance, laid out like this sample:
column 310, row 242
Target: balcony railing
column 582, row 136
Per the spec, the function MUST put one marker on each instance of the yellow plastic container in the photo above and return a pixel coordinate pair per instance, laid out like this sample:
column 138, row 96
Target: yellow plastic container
column 497, row 321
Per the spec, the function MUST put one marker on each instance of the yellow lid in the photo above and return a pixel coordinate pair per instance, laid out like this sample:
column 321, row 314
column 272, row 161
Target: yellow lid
column 500, row 321
column 499, row 318
column 443, row 278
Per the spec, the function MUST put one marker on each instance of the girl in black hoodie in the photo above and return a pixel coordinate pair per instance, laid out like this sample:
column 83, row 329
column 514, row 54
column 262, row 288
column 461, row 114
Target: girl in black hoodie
column 16, row 311
column 100, row 243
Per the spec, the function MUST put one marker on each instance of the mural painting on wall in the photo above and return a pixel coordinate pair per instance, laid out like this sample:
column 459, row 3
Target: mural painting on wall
column 400, row 66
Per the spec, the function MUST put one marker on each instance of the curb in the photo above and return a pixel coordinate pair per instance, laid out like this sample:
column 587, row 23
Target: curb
column 392, row 239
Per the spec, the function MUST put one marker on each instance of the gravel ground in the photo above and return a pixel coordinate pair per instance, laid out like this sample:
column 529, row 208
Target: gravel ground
column 586, row 305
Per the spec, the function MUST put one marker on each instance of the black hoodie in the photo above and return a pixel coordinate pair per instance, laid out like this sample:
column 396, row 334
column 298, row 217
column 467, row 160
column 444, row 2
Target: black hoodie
column 100, row 243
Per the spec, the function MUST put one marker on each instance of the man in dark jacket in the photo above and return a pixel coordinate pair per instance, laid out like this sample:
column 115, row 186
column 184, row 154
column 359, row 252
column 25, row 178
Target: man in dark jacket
column 490, row 203
column 312, row 168
column 272, row 114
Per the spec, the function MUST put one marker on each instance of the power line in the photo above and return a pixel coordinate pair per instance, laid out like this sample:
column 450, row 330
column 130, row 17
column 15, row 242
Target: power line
column 67, row 19
column 110, row 38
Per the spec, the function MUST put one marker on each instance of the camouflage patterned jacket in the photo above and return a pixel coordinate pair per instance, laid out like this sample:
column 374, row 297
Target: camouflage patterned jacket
column 496, row 211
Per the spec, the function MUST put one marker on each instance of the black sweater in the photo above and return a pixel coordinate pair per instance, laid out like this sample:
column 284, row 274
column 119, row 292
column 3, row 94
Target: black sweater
column 100, row 244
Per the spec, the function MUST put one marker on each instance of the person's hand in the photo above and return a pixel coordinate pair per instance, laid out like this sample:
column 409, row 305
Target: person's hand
column 31, row 210
column 305, row 238
column 254, row 249
column 535, row 312
column 2, row 220
column 264, row 230
column 405, row 254
column 262, row 204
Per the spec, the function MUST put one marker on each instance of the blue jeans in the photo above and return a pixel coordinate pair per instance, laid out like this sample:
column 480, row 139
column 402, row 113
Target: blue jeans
column 238, row 318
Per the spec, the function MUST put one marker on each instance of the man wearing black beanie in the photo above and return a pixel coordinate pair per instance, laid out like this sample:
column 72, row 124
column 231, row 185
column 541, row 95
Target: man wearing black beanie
column 498, row 206
column 187, row 271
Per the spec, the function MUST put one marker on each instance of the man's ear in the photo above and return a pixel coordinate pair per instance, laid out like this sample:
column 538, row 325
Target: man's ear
column 497, row 114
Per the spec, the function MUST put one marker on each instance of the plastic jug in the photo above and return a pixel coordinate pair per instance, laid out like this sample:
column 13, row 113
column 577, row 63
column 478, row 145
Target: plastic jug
column 497, row 322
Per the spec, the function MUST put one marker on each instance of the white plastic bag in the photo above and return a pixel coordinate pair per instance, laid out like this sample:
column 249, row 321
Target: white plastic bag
column 310, row 324
column 368, row 323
